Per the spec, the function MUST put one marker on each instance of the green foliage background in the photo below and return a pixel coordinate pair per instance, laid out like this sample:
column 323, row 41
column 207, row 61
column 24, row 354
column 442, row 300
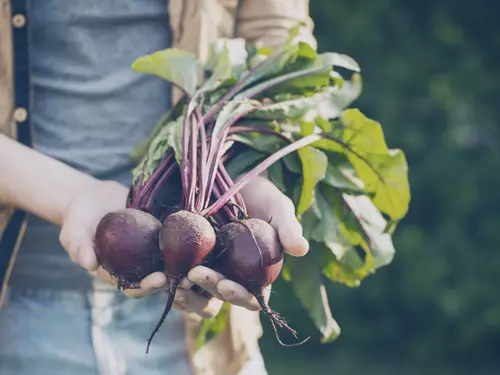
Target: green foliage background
column 431, row 77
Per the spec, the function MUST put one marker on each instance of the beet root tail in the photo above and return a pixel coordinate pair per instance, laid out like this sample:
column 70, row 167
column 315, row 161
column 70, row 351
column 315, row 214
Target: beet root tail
column 277, row 320
column 172, row 288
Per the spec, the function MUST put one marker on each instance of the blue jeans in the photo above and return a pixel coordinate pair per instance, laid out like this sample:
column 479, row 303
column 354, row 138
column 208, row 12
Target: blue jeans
column 52, row 332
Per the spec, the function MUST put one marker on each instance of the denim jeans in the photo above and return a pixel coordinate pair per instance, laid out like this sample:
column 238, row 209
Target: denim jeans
column 52, row 332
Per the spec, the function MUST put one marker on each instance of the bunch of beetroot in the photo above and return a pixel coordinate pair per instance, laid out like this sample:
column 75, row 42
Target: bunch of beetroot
column 244, row 91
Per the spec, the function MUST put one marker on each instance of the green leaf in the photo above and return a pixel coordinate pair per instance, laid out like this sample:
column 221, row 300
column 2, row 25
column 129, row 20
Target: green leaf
column 270, row 62
column 324, row 227
column 261, row 142
column 389, row 184
column 169, row 136
column 326, row 104
column 244, row 161
column 339, row 60
column 276, row 174
column 211, row 328
column 314, row 163
column 309, row 288
column 349, row 270
column 171, row 115
column 341, row 175
column 230, row 111
column 371, row 225
column 174, row 65
column 142, row 148
column 363, row 225
column 361, row 133
column 384, row 171
column 227, row 61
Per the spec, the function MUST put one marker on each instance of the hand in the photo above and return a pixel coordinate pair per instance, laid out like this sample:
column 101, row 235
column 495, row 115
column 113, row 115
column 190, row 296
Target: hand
column 263, row 201
column 80, row 220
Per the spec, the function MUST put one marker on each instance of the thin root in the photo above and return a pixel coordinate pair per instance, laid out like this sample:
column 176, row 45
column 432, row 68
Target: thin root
column 277, row 320
column 170, row 300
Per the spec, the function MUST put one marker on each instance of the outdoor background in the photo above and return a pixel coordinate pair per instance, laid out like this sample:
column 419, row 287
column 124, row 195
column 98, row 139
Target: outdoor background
column 431, row 73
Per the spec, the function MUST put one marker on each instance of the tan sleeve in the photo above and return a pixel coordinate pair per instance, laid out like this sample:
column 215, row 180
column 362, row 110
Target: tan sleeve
column 267, row 22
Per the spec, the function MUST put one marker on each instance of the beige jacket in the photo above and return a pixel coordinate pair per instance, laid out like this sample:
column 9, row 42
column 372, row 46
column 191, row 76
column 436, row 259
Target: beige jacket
column 194, row 23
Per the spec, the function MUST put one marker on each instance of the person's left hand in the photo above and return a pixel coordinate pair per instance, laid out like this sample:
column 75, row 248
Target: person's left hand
column 264, row 201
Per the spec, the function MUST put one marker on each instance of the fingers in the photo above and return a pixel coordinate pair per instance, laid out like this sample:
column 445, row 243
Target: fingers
column 80, row 247
column 237, row 295
column 206, row 279
column 265, row 201
column 221, row 288
column 290, row 232
column 193, row 302
column 150, row 284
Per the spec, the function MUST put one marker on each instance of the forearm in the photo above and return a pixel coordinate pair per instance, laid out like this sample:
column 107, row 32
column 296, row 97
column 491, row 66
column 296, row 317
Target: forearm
column 36, row 183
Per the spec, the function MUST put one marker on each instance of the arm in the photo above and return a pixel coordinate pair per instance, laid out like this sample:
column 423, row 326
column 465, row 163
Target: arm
column 267, row 22
column 66, row 197
column 37, row 183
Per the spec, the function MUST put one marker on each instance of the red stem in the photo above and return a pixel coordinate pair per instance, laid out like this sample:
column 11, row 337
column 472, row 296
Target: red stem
column 215, row 153
column 193, row 159
column 203, row 161
column 148, row 206
column 142, row 193
column 266, row 163
column 230, row 183
column 217, row 193
column 185, row 161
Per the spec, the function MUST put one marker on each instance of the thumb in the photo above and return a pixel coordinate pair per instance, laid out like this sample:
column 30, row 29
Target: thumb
column 265, row 201
column 80, row 246
column 289, row 230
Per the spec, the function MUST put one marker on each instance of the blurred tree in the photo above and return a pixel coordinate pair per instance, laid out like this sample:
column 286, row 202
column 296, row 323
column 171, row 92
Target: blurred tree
column 431, row 77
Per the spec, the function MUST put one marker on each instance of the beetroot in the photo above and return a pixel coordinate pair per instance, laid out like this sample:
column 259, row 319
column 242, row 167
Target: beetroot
column 126, row 245
column 250, row 254
column 186, row 239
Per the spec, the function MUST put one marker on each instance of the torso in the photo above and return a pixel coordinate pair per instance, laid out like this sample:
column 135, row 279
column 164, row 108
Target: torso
column 89, row 108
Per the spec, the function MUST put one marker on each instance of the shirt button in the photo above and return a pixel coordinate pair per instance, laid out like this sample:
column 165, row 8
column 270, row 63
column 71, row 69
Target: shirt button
column 18, row 20
column 20, row 114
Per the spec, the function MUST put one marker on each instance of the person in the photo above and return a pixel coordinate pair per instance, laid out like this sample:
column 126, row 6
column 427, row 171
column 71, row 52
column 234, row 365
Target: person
column 71, row 111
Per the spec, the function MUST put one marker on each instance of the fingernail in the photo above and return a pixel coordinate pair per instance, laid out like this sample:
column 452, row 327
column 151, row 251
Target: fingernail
column 306, row 243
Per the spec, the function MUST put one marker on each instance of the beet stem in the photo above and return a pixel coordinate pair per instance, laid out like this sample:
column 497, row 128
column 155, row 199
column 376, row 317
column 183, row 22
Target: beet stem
column 192, row 163
column 185, row 160
column 238, row 198
column 143, row 192
column 172, row 288
column 266, row 163
column 251, row 129
column 203, row 162
column 148, row 206
column 229, row 94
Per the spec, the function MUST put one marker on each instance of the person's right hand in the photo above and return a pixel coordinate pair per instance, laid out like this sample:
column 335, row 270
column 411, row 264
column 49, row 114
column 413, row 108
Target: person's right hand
column 80, row 220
